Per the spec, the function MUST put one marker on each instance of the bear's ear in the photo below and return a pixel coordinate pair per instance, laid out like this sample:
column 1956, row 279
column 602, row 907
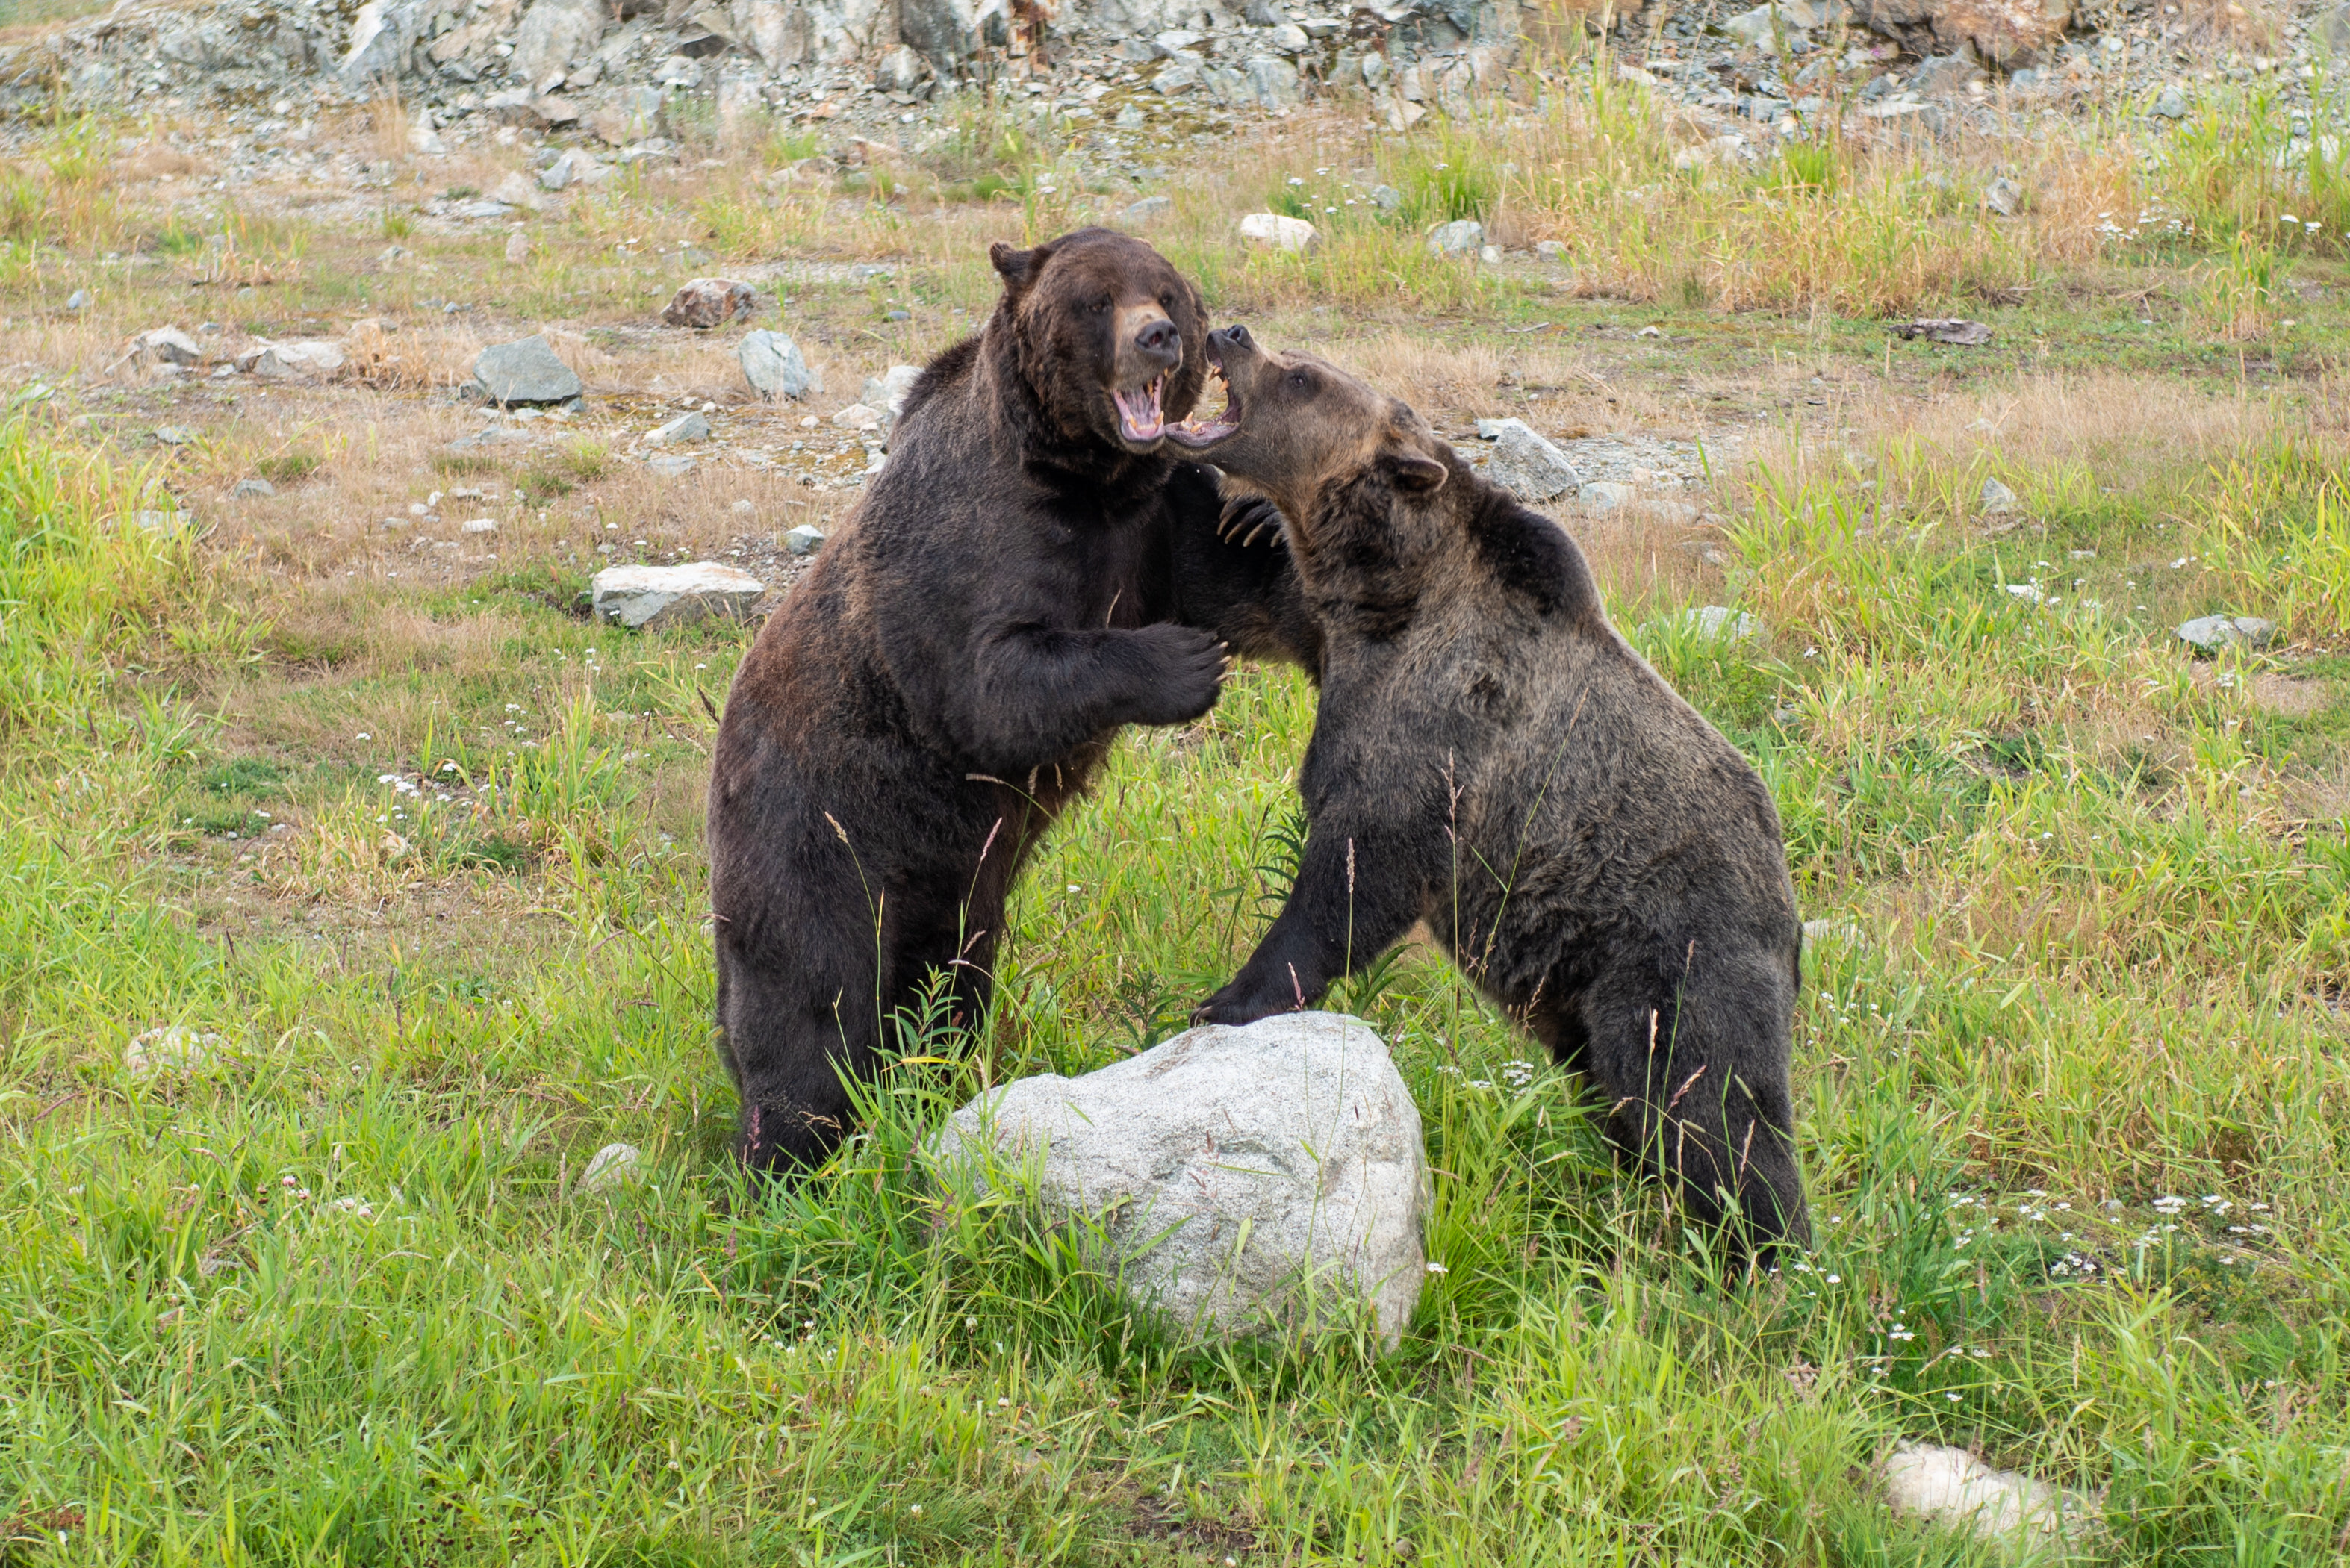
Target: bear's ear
column 1415, row 472
column 1018, row 268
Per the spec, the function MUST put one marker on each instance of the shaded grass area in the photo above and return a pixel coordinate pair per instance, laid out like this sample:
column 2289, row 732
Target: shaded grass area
column 2071, row 1068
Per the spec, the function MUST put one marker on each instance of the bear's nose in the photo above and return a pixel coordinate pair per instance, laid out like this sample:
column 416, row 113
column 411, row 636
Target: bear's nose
column 1161, row 340
column 1235, row 335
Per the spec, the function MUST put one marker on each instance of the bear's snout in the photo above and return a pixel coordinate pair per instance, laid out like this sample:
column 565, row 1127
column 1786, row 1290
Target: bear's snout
column 1162, row 342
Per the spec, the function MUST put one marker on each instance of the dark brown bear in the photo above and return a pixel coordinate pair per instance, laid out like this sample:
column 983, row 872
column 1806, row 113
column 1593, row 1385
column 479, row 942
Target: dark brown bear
column 1031, row 571
column 1491, row 758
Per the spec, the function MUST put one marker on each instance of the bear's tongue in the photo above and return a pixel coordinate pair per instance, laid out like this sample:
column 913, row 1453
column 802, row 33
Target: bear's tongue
column 1140, row 417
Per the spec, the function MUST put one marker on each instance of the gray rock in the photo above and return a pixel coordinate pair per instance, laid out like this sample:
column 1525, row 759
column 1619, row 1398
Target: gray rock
column 1953, row 1488
column 614, row 1164
column 653, row 598
column 2171, row 103
column 1713, row 621
column 518, row 190
column 1457, row 237
column 2213, row 632
column 176, row 1052
column 805, row 540
column 1527, row 465
column 2333, row 29
column 173, row 435
column 685, row 427
column 902, row 70
column 244, row 489
column 857, row 417
column 170, row 345
column 383, row 38
column 552, row 34
column 78, row 300
column 160, row 522
column 632, row 114
column 1764, row 27
column 2004, row 197
column 1240, row 1180
column 1941, row 74
column 478, row 525
column 1997, row 500
column 889, row 390
column 1602, row 496
column 1951, row 329
column 1147, row 212
column 531, row 110
column 772, row 364
column 1273, row 81
column 525, row 371
column 944, row 32
column 1386, row 198
column 298, row 359
column 576, row 166
column 670, row 465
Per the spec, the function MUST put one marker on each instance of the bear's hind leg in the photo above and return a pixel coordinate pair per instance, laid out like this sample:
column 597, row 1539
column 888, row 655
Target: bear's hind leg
column 1698, row 1089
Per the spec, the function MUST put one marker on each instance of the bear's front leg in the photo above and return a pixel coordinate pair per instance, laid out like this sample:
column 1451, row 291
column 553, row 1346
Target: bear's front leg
column 1042, row 692
column 1356, row 893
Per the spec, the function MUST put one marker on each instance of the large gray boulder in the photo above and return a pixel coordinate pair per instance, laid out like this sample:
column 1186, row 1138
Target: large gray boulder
column 654, row 599
column 525, row 371
column 1528, row 466
column 1241, row 1179
column 552, row 34
column 384, row 35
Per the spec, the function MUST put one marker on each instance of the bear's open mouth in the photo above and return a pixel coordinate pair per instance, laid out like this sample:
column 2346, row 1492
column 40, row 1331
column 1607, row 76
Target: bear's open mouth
column 1139, row 415
column 1207, row 430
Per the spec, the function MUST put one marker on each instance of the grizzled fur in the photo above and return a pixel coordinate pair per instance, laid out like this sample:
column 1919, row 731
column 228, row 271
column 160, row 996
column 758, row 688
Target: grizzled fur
column 1017, row 584
column 1491, row 758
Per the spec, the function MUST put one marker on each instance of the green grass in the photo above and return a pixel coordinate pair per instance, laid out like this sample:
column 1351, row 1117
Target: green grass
column 2070, row 1061
column 2072, row 1113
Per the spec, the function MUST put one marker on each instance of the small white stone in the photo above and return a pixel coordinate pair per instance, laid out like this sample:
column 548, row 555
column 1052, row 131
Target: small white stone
column 614, row 1164
column 685, row 427
column 655, row 597
column 1462, row 236
column 857, row 417
column 173, row 1051
column 1952, row 1487
column 1276, row 230
column 478, row 525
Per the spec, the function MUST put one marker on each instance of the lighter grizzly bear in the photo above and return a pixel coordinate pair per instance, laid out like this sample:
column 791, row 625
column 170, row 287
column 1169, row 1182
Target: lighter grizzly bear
column 1491, row 758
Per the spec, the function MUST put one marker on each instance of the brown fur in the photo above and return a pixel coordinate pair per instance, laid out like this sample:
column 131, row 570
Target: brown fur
column 1022, row 580
column 1491, row 758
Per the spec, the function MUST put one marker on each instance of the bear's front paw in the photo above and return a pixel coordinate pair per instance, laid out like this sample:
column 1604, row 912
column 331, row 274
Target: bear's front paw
column 1237, row 1004
column 1188, row 671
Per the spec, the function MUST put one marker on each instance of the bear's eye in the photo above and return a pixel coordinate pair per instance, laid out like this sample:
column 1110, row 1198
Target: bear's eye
column 1101, row 306
column 1300, row 379
column 1167, row 301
